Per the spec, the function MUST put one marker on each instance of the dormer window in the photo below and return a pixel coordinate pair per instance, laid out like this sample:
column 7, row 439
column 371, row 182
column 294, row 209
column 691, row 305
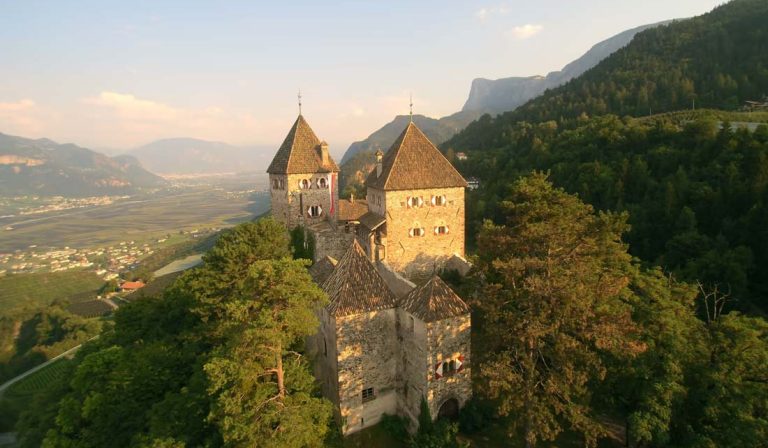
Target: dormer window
column 314, row 211
column 439, row 201
column 322, row 183
column 441, row 230
column 305, row 184
column 414, row 201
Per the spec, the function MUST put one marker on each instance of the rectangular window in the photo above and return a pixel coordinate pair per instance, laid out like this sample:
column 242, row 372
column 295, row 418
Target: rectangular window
column 368, row 395
column 412, row 324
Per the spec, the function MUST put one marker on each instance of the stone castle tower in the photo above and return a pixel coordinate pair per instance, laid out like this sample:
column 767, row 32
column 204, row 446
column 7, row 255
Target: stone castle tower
column 384, row 343
column 415, row 199
column 303, row 178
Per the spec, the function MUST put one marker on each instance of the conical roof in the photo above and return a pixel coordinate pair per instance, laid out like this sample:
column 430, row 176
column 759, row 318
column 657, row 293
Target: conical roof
column 355, row 286
column 414, row 163
column 434, row 301
column 300, row 152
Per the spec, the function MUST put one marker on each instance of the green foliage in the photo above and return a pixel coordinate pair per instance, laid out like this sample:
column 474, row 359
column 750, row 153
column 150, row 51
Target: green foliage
column 20, row 292
column 439, row 434
column 397, row 428
column 262, row 388
column 554, row 302
column 475, row 416
column 302, row 243
column 199, row 367
column 41, row 336
column 696, row 193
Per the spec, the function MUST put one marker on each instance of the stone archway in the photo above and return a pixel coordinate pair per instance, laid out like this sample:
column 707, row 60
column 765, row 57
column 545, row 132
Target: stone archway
column 449, row 409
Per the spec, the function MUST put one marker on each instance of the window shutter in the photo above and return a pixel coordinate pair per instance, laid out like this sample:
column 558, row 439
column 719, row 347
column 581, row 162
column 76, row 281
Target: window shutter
column 434, row 200
column 459, row 363
column 439, row 370
column 446, row 229
column 410, row 233
column 319, row 210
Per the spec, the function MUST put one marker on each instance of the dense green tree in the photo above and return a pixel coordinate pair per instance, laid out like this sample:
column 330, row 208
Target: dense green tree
column 555, row 299
column 262, row 386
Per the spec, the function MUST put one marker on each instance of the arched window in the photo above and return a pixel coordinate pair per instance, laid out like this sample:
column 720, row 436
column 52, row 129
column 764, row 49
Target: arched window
column 322, row 183
column 439, row 200
column 305, row 184
column 416, row 230
column 314, row 211
column 414, row 201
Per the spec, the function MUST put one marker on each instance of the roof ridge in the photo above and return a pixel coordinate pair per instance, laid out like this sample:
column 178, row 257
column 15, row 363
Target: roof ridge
column 404, row 135
column 293, row 140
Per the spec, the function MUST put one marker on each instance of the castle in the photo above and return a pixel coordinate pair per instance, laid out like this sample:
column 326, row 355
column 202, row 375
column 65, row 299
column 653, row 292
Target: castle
column 393, row 332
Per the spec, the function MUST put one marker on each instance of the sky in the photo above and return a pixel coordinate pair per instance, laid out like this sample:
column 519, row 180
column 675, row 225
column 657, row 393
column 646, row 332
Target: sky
column 115, row 74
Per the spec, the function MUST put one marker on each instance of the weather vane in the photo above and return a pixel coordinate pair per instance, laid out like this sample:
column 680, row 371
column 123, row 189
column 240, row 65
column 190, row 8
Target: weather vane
column 411, row 107
column 299, row 101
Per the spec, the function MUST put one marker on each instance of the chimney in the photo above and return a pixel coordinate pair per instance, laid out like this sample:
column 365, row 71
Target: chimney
column 352, row 198
column 379, row 156
column 324, row 153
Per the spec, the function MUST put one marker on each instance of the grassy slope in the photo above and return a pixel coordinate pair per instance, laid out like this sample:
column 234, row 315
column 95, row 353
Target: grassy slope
column 36, row 290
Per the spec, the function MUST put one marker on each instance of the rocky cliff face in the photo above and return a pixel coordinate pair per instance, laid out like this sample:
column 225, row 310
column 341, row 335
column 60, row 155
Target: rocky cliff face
column 501, row 95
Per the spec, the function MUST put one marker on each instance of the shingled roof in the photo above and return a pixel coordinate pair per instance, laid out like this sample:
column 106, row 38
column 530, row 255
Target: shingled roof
column 414, row 163
column 300, row 153
column 352, row 210
column 323, row 269
column 434, row 301
column 355, row 286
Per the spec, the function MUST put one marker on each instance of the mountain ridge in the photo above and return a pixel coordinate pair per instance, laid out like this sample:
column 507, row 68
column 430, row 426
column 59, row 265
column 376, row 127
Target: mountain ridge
column 44, row 167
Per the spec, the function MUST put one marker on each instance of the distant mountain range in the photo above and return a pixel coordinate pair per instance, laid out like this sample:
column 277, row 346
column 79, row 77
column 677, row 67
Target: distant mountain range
column 44, row 167
column 502, row 95
column 193, row 156
column 492, row 97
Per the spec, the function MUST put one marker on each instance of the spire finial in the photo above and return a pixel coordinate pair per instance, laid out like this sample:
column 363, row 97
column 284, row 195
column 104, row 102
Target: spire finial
column 299, row 101
column 411, row 107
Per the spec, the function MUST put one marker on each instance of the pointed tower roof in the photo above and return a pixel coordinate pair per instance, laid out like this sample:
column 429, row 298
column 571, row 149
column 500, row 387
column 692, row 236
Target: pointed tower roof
column 414, row 163
column 434, row 301
column 300, row 152
column 355, row 286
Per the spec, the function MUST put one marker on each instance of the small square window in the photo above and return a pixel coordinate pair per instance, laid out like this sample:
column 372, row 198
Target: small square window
column 368, row 395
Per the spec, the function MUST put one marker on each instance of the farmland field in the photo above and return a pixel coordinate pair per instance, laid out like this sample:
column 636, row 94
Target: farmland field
column 138, row 218
column 38, row 380
column 39, row 290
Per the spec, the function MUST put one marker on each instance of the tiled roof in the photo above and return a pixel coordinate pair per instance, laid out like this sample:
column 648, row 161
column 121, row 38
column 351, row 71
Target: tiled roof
column 300, row 153
column 434, row 301
column 323, row 269
column 414, row 163
column 355, row 286
column 372, row 220
column 132, row 285
column 352, row 211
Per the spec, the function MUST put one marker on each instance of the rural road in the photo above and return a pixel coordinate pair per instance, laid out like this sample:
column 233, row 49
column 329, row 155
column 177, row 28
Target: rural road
column 12, row 381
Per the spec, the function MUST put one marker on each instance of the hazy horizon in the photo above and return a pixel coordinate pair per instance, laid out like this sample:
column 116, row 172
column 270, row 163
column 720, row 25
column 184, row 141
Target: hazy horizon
column 107, row 75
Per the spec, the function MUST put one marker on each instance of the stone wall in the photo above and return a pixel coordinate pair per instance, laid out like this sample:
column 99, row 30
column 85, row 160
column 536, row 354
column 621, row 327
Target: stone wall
column 412, row 380
column 322, row 347
column 368, row 351
column 286, row 202
column 447, row 339
column 330, row 241
column 415, row 255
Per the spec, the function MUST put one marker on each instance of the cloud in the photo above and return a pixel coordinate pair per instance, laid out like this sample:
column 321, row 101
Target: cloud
column 525, row 31
column 23, row 117
column 129, row 120
column 484, row 13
